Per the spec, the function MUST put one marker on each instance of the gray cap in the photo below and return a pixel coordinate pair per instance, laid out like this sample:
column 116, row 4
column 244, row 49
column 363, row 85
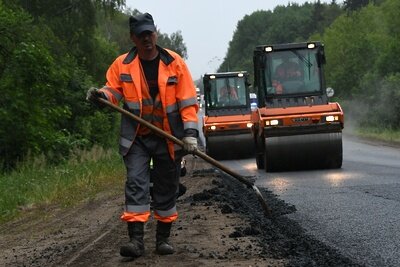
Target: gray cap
column 141, row 23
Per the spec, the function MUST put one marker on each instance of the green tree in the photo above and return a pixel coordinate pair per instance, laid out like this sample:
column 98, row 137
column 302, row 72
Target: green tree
column 291, row 23
column 74, row 22
column 29, row 108
column 115, row 29
column 388, row 61
column 362, row 51
column 43, row 87
column 323, row 15
column 352, row 5
column 246, row 36
column 173, row 42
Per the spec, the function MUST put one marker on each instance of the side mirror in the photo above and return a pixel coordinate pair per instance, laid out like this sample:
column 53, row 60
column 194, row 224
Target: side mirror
column 330, row 92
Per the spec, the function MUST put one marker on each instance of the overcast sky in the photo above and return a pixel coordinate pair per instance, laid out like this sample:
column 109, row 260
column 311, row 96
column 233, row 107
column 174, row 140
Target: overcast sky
column 207, row 26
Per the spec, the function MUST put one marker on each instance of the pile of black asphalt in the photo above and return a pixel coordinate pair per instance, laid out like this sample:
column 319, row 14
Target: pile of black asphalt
column 279, row 236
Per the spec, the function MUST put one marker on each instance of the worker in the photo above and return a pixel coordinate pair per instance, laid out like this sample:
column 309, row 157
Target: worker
column 288, row 70
column 228, row 96
column 155, row 84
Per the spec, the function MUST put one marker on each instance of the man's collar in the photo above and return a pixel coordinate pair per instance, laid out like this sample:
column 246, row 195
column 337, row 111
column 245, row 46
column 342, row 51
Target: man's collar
column 165, row 56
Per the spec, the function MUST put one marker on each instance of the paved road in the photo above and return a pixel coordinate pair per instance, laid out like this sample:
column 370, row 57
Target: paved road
column 354, row 209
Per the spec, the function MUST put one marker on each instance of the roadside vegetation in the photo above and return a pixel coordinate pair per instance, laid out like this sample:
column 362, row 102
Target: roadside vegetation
column 385, row 134
column 57, row 148
column 36, row 184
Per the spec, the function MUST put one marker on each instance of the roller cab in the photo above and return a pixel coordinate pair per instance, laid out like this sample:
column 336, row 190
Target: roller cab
column 295, row 126
column 227, row 123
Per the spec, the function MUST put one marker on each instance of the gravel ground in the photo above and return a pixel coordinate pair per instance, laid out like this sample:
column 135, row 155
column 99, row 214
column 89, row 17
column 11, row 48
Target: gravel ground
column 221, row 223
column 279, row 236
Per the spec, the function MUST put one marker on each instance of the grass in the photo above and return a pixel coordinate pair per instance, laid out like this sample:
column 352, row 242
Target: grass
column 36, row 184
column 383, row 134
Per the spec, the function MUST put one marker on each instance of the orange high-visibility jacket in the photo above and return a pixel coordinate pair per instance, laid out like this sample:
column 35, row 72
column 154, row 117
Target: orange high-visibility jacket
column 152, row 111
column 125, row 81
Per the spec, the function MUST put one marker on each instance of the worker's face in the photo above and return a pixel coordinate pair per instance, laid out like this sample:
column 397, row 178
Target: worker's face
column 145, row 41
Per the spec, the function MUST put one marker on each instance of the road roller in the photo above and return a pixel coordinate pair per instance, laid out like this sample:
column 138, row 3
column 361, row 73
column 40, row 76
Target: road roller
column 226, row 121
column 295, row 126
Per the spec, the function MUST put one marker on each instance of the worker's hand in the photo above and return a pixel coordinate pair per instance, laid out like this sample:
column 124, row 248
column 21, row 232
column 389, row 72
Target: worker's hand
column 93, row 94
column 189, row 144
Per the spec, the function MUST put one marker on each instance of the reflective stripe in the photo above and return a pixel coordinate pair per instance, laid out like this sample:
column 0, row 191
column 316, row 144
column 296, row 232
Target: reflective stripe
column 133, row 105
column 190, row 124
column 147, row 102
column 172, row 108
column 168, row 219
column 172, row 80
column 115, row 93
column 125, row 77
column 147, row 117
column 125, row 142
column 166, row 213
column 157, row 118
column 187, row 102
column 157, row 103
column 153, row 118
column 137, row 208
column 135, row 216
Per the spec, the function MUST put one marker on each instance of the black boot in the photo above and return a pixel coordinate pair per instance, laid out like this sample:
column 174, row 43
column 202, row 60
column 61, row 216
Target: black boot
column 135, row 247
column 163, row 247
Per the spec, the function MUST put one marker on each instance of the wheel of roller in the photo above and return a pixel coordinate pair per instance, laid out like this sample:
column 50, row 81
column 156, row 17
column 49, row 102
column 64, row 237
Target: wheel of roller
column 308, row 151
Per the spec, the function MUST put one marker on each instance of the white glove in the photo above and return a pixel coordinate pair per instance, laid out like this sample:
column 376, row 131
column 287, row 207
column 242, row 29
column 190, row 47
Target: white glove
column 189, row 144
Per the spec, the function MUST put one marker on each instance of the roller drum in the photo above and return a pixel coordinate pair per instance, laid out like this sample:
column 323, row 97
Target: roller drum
column 308, row 151
column 224, row 147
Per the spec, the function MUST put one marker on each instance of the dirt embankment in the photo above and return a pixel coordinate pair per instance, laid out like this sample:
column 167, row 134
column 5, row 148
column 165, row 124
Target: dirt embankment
column 221, row 223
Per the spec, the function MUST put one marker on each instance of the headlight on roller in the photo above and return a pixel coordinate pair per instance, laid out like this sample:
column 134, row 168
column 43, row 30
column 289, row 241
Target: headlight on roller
column 271, row 122
column 331, row 118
